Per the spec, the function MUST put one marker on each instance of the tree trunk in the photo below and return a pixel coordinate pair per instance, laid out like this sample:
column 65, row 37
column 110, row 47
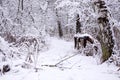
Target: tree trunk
column 78, row 24
column 60, row 29
column 59, row 25
column 105, row 34
column 22, row 4
column 18, row 5
column 0, row 2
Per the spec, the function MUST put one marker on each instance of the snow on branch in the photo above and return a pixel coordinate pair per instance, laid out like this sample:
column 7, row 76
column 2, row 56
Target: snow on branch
column 83, row 35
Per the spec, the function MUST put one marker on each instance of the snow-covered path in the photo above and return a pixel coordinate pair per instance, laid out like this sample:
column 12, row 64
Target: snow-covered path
column 76, row 68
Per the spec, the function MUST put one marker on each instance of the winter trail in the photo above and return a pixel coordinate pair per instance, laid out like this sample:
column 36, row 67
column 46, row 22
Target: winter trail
column 76, row 68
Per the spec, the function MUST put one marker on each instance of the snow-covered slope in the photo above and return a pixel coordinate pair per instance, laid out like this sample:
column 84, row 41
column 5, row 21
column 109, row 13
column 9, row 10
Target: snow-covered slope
column 78, row 67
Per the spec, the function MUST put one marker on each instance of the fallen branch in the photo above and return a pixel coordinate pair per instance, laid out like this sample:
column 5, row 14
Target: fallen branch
column 56, row 65
column 66, row 59
column 49, row 65
column 118, row 69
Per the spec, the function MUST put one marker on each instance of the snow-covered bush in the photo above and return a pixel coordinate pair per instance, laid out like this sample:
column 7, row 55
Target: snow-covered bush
column 9, row 37
column 30, row 48
column 5, row 50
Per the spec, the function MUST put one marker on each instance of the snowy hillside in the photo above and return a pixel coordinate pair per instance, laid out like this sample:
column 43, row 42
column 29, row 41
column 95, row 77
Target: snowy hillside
column 78, row 67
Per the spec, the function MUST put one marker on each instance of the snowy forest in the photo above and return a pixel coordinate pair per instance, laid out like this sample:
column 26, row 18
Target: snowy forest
column 59, row 39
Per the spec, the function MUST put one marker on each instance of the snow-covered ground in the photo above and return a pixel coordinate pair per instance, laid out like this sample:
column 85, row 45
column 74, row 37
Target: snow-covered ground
column 78, row 67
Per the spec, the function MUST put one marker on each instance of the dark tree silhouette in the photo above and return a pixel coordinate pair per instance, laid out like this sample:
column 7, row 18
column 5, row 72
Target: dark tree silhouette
column 78, row 24
column 59, row 25
column 1, row 2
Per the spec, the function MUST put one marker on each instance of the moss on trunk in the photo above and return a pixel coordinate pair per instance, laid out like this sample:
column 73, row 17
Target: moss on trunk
column 106, row 54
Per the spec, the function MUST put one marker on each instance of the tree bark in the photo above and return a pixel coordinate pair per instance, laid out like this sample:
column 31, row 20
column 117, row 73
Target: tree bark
column 104, row 36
